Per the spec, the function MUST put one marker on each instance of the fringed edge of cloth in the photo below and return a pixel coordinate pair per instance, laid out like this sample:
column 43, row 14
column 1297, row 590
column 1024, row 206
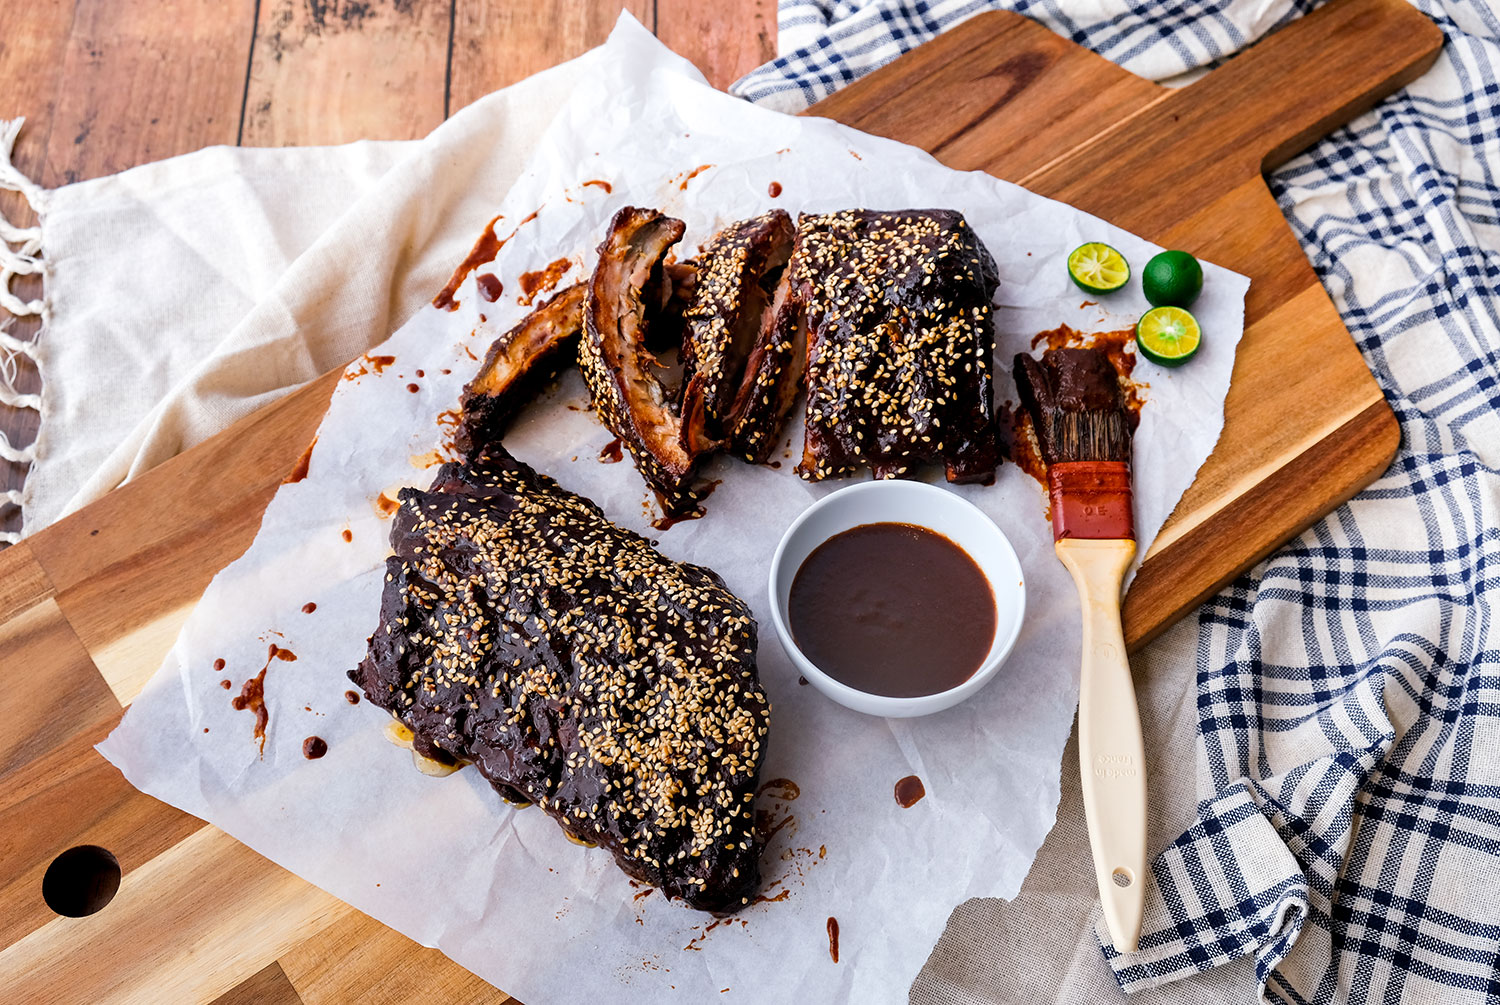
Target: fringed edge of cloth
column 20, row 255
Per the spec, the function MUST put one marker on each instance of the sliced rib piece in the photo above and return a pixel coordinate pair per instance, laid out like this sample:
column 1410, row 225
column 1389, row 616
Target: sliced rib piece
column 773, row 374
column 519, row 364
column 727, row 319
column 900, row 344
column 579, row 669
column 629, row 290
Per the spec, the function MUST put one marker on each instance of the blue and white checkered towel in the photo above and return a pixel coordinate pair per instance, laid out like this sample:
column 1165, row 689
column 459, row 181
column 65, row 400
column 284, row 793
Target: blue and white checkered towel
column 1348, row 687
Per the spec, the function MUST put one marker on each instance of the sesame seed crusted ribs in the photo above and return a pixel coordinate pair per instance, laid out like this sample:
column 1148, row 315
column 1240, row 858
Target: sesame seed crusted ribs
column 900, row 344
column 518, row 364
column 628, row 295
column 729, row 317
column 579, row 669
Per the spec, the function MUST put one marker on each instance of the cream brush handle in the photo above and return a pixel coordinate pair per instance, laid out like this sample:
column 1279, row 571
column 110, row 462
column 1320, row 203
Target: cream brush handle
column 1111, row 753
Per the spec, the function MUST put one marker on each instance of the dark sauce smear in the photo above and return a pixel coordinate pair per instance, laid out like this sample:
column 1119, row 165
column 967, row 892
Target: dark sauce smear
column 833, row 939
column 253, row 697
column 490, row 287
column 612, row 454
column 665, row 523
column 314, row 747
column 892, row 609
column 543, row 279
column 485, row 249
column 909, row 791
column 299, row 470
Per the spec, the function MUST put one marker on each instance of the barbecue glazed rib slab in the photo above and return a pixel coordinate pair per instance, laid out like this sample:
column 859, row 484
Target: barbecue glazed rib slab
column 900, row 343
column 519, row 364
column 579, row 669
column 628, row 294
column 728, row 317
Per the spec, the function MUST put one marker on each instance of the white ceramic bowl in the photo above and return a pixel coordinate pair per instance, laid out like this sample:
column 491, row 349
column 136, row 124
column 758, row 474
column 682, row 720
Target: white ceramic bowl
column 925, row 506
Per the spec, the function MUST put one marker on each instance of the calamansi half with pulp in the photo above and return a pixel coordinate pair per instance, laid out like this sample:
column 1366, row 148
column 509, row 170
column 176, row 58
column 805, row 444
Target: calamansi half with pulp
column 1168, row 336
column 1098, row 268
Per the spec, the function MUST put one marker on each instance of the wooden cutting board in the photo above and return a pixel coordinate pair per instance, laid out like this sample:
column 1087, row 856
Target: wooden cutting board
column 89, row 606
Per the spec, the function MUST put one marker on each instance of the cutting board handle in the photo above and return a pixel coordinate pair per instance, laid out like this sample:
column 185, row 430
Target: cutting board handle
column 1306, row 79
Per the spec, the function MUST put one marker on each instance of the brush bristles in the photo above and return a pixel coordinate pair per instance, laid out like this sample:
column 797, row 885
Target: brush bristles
column 1090, row 436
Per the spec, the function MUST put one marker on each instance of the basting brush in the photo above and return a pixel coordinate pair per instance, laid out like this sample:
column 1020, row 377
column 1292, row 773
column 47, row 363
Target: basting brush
column 1073, row 399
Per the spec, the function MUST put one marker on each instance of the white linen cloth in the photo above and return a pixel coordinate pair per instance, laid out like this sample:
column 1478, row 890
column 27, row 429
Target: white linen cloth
column 182, row 295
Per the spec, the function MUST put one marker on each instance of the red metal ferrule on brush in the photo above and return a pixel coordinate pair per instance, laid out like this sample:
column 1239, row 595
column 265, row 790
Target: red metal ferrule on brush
column 1090, row 500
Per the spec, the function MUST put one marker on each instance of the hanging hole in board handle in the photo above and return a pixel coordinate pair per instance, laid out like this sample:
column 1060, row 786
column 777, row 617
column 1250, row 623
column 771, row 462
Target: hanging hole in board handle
column 81, row 881
column 1122, row 877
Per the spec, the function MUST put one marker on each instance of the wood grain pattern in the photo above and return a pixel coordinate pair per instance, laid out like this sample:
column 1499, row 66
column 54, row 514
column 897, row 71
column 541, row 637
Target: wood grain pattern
column 89, row 606
column 359, row 959
column 344, row 70
column 267, row 986
column 189, row 57
column 186, row 926
column 496, row 44
column 725, row 39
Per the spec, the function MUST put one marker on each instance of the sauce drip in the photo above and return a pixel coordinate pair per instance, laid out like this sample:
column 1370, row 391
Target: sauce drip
column 348, row 535
column 309, row 607
column 608, row 188
column 253, row 696
column 218, row 664
column 299, row 470
column 314, row 747
column 1019, row 440
column 892, row 609
column 352, row 697
column 833, row 939
column 665, row 523
column 909, row 791
column 612, row 454
column 485, row 249
column 490, row 287
column 544, row 279
column 773, row 190
column 224, row 683
column 690, row 175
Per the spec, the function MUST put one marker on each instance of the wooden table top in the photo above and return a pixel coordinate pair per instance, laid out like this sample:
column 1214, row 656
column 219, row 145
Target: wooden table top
column 109, row 84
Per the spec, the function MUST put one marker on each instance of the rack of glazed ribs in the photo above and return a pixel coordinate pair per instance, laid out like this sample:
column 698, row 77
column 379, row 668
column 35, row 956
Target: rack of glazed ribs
column 575, row 666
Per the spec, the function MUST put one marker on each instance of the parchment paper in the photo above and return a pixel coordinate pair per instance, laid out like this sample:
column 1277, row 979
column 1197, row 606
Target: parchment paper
column 500, row 889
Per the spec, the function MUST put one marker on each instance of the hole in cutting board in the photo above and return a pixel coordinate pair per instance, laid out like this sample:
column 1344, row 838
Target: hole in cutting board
column 81, row 881
column 1122, row 877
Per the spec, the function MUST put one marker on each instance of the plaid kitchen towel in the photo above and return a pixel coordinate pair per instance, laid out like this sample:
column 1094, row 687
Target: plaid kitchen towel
column 1348, row 688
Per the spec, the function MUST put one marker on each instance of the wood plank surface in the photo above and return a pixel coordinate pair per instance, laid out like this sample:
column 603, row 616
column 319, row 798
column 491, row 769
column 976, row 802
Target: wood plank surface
column 497, row 44
column 89, row 606
column 346, row 70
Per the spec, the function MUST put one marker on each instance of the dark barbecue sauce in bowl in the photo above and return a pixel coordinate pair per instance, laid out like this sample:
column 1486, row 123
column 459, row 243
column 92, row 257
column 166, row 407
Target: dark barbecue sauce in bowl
column 892, row 609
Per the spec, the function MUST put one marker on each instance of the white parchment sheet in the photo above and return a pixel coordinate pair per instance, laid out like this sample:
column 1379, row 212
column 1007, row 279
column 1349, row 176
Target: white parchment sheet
column 499, row 889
